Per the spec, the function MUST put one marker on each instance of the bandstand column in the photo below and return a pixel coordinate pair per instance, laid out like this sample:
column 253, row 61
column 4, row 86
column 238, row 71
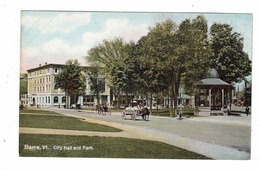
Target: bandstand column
column 210, row 99
column 222, row 100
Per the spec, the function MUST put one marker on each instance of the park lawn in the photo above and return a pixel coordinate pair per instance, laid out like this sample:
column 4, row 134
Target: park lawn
column 99, row 147
column 61, row 122
column 38, row 111
column 166, row 112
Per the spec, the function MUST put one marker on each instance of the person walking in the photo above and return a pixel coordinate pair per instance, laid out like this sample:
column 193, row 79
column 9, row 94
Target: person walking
column 247, row 110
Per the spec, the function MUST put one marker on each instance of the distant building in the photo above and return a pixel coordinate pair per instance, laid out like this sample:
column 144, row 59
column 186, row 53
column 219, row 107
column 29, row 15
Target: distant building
column 23, row 89
column 42, row 91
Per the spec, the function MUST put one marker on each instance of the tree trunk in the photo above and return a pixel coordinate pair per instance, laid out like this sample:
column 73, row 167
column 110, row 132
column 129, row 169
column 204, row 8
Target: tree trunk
column 126, row 98
column 118, row 99
column 97, row 96
column 157, row 103
column 147, row 97
column 142, row 99
column 67, row 100
column 176, row 91
column 171, row 99
column 151, row 103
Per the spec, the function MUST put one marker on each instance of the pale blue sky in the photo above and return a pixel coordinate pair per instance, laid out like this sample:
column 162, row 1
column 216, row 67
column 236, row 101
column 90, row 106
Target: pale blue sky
column 54, row 37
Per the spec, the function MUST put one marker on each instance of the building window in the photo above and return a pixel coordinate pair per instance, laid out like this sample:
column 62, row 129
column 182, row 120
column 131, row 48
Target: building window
column 49, row 99
column 46, row 79
column 63, row 99
column 56, row 99
column 102, row 85
column 43, row 88
column 55, row 70
column 35, row 82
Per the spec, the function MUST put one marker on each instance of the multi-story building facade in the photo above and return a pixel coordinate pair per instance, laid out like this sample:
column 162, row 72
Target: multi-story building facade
column 42, row 91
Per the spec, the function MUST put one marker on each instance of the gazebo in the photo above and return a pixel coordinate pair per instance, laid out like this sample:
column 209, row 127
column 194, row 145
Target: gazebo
column 212, row 99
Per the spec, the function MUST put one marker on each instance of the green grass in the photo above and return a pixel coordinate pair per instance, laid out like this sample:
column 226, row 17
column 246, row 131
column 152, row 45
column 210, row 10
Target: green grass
column 38, row 111
column 61, row 122
column 166, row 112
column 100, row 147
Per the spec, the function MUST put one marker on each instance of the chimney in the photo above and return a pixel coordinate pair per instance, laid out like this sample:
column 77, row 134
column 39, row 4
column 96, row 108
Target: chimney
column 46, row 63
column 40, row 65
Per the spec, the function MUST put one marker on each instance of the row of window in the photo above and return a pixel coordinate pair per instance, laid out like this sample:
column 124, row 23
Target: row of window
column 42, row 80
column 47, row 99
column 56, row 70
column 42, row 88
column 39, row 72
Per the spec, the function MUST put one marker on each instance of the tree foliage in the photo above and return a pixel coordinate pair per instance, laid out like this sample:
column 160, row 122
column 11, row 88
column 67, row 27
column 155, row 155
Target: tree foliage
column 229, row 58
column 23, row 83
column 193, row 52
column 171, row 55
column 71, row 79
column 95, row 81
column 154, row 51
column 113, row 56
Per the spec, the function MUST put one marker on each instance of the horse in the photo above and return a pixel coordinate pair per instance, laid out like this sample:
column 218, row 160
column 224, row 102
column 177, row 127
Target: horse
column 144, row 113
column 99, row 109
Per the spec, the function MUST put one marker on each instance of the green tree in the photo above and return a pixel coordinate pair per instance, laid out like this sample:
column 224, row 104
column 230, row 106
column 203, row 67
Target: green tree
column 112, row 55
column 96, row 81
column 229, row 58
column 23, row 83
column 71, row 81
column 152, row 61
column 173, row 55
column 193, row 51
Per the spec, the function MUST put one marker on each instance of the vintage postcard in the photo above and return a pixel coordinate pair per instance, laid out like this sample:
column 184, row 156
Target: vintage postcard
column 142, row 85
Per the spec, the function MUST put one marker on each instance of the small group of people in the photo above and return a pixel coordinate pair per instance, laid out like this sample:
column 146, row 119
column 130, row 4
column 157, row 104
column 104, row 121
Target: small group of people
column 102, row 108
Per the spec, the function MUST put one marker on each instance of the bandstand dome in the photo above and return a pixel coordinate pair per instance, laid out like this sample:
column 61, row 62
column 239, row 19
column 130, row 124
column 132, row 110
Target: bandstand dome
column 212, row 79
column 212, row 73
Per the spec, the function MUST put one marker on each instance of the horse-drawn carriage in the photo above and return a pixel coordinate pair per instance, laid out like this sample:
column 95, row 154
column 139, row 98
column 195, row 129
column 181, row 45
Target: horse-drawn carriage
column 103, row 109
column 134, row 112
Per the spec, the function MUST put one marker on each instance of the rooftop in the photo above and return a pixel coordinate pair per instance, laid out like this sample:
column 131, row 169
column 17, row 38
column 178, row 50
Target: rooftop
column 212, row 79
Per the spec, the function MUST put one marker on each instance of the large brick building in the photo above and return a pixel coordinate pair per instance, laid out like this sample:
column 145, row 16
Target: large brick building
column 42, row 90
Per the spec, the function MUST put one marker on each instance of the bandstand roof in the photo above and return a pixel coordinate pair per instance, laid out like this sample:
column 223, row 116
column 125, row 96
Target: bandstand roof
column 212, row 79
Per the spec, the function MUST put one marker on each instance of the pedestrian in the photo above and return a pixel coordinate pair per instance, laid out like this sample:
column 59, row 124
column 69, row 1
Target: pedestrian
column 180, row 112
column 247, row 110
